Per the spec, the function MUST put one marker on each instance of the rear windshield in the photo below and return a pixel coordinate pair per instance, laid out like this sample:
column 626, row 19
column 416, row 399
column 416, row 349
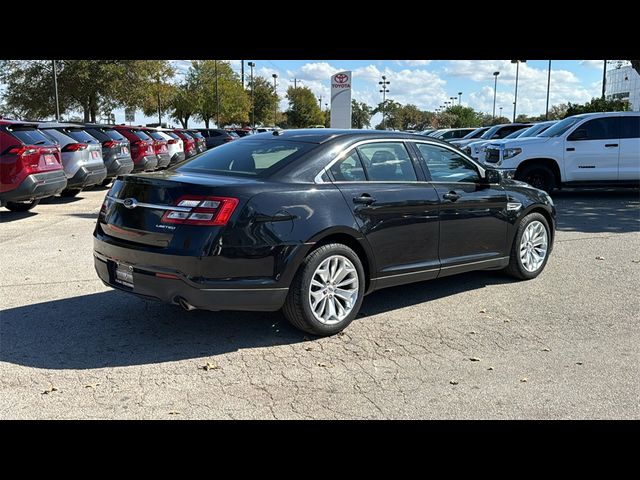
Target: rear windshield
column 249, row 157
column 189, row 137
column 99, row 134
column 59, row 137
column 115, row 135
column 196, row 134
column 233, row 134
column 30, row 136
column 141, row 135
column 155, row 135
column 173, row 135
column 79, row 135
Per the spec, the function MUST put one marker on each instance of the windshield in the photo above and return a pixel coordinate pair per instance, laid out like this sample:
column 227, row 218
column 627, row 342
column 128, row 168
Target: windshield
column 560, row 127
column 518, row 133
column 491, row 132
column 475, row 133
column 249, row 157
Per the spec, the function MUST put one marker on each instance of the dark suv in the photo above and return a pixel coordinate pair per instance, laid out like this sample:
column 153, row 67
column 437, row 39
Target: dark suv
column 116, row 153
column 215, row 137
column 31, row 166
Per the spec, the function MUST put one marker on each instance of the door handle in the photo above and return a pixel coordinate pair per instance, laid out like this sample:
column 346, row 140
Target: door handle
column 364, row 199
column 453, row 196
column 607, row 145
column 571, row 149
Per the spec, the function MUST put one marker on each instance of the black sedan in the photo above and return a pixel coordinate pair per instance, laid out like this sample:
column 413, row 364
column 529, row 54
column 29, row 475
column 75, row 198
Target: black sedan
column 310, row 221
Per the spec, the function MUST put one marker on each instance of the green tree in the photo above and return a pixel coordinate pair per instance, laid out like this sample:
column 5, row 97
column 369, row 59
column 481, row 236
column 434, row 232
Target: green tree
column 522, row 118
column 89, row 86
column 360, row 114
column 233, row 102
column 445, row 119
column 500, row 121
column 184, row 103
column 465, row 117
column 391, row 112
column 265, row 100
column 303, row 108
column 597, row 105
column 558, row 112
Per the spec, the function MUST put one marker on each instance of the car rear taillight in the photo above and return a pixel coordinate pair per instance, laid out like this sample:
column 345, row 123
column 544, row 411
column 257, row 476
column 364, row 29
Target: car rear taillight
column 201, row 210
column 22, row 150
column 110, row 144
column 228, row 139
column 173, row 141
column 74, row 147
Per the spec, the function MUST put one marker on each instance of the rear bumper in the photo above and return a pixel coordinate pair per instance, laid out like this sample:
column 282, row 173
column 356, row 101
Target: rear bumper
column 231, row 294
column 149, row 162
column 87, row 175
column 119, row 166
column 37, row 185
column 163, row 159
column 177, row 158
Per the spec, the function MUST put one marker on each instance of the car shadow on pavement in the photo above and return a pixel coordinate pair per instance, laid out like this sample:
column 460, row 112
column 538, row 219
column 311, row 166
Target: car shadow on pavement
column 61, row 200
column 598, row 210
column 13, row 216
column 112, row 329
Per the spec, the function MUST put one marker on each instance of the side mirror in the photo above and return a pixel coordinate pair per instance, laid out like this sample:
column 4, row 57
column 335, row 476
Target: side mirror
column 492, row 176
column 580, row 134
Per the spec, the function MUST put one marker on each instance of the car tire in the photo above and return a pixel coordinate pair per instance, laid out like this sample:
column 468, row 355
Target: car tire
column 538, row 176
column 298, row 308
column 22, row 206
column 70, row 192
column 517, row 263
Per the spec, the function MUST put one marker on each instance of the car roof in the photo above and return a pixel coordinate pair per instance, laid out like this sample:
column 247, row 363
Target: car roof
column 604, row 114
column 59, row 125
column 322, row 135
column 98, row 125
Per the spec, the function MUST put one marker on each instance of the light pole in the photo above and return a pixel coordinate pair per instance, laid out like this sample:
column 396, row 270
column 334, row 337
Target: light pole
column 495, row 90
column 217, row 96
column 546, row 115
column 500, row 112
column 320, row 102
column 384, row 92
column 275, row 90
column 604, row 78
column 459, row 98
column 55, row 87
column 452, row 100
column 515, row 96
column 253, row 106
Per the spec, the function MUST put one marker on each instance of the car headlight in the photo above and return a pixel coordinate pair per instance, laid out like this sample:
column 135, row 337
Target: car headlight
column 510, row 152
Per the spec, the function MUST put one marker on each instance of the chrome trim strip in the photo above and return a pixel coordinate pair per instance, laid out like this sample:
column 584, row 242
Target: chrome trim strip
column 243, row 289
column 153, row 205
column 409, row 273
column 341, row 155
column 474, row 263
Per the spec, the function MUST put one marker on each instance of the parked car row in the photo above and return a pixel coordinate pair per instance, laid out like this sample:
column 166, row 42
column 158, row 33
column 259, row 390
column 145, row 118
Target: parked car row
column 42, row 159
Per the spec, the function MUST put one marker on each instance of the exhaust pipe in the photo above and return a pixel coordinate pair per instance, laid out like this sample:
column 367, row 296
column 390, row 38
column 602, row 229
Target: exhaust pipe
column 184, row 304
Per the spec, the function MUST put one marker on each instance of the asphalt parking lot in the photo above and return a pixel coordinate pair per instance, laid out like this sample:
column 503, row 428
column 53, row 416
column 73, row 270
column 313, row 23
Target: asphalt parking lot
column 479, row 345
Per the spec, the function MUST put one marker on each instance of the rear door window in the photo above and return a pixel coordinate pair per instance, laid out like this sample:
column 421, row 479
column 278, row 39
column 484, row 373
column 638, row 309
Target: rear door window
column 387, row 162
column 349, row 169
column 606, row 128
column 630, row 127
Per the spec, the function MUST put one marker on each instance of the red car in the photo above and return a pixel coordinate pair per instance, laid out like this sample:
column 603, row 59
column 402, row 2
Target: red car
column 142, row 148
column 30, row 166
column 190, row 147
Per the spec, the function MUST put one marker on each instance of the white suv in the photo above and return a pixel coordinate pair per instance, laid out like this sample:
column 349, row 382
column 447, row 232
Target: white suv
column 582, row 150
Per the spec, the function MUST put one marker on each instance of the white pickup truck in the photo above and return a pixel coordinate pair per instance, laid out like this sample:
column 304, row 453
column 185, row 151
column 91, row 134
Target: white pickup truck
column 591, row 149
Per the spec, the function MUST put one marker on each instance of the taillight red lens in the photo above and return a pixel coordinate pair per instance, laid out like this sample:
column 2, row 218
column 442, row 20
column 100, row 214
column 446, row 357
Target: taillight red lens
column 74, row 147
column 173, row 141
column 210, row 211
column 110, row 144
column 22, row 150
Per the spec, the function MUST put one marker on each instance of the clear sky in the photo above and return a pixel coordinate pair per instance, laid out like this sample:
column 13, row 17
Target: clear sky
column 428, row 84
